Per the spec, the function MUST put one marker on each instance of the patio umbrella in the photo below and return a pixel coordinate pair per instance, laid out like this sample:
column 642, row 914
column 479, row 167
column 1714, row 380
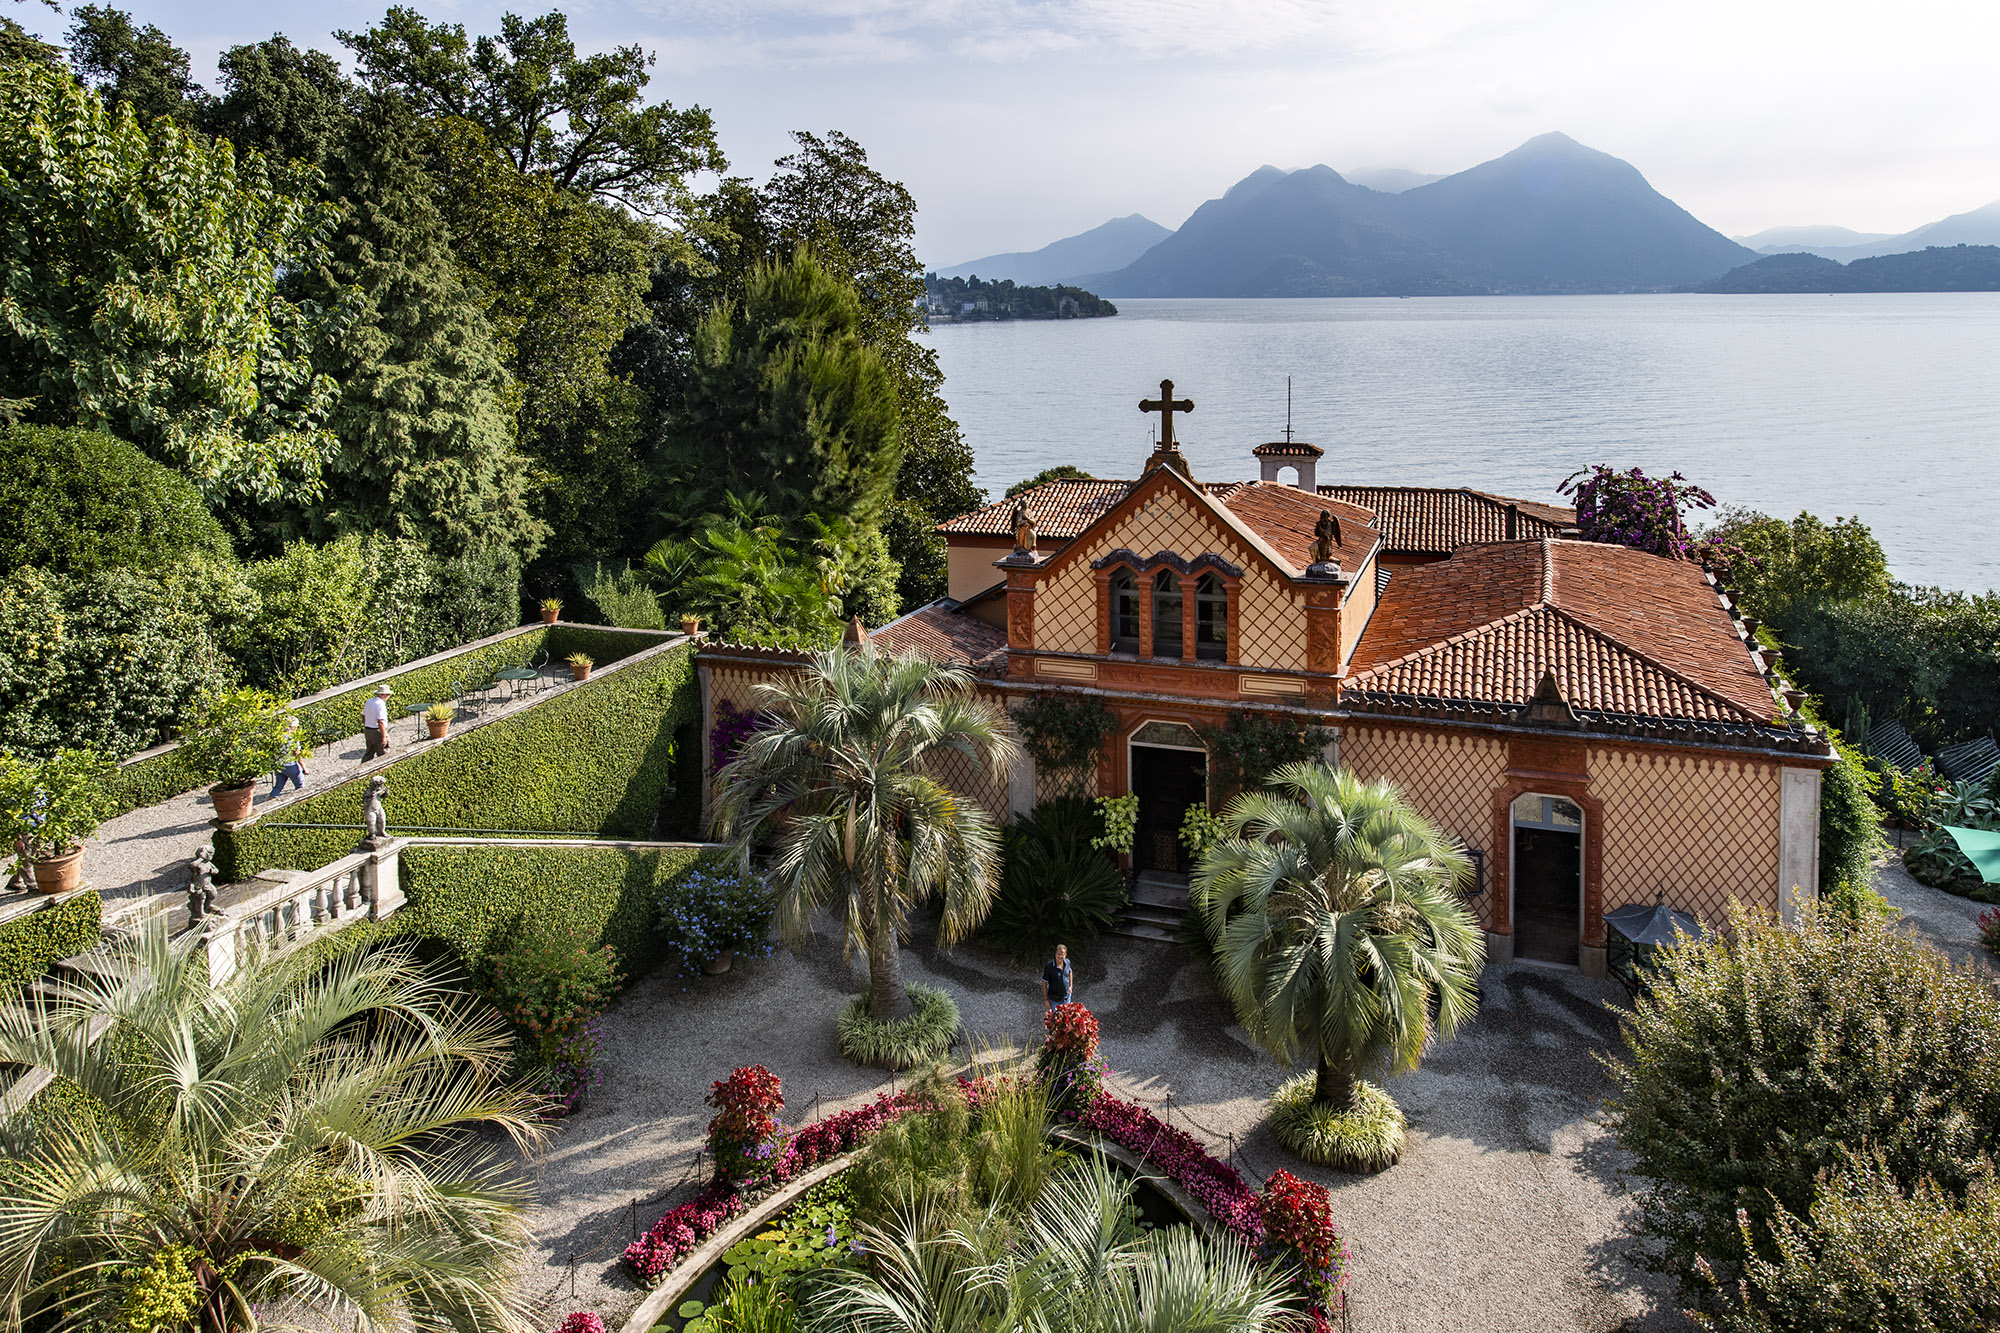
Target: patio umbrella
column 1651, row 923
column 1982, row 848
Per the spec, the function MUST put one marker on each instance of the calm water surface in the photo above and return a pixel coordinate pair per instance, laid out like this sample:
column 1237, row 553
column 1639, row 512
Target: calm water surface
column 1884, row 406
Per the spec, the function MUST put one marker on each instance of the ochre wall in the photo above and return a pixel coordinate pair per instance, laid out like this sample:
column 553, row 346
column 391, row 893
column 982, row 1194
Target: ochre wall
column 1354, row 612
column 1270, row 620
column 1448, row 775
column 1705, row 829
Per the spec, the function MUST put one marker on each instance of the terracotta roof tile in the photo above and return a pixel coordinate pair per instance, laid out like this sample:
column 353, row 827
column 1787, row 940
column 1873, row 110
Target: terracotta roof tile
column 1423, row 520
column 1061, row 510
column 1288, row 449
column 939, row 633
column 1285, row 517
column 1625, row 632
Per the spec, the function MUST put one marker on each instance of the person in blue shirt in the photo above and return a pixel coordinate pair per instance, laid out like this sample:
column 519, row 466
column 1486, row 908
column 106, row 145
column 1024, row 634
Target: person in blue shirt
column 1058, row 979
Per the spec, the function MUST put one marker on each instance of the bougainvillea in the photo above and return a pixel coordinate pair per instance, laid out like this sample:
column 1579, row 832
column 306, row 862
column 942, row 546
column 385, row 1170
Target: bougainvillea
column 1645, row 513
column 744, row 1132
column 1298, row 1228
column 732, row 727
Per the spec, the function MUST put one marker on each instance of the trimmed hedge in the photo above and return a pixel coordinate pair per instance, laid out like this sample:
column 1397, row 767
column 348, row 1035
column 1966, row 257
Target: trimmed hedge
column 30, row 944
column 594, row 761
column 470, row 899
column 164, row 777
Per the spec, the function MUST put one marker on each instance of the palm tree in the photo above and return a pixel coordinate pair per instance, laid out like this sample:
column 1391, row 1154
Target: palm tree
column 843, row 781
column 1075, row 1262
column 313, row 1140
column 1337, row 924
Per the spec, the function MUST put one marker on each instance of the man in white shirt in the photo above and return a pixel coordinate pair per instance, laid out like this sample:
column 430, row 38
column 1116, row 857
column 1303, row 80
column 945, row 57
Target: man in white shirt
column 375, row 724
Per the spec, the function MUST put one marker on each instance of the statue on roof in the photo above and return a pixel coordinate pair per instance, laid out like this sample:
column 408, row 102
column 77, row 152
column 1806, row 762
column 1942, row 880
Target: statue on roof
column 1326, row 537
column 1023, row 523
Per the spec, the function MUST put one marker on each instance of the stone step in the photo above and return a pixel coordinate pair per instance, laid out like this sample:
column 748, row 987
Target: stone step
column 1145, row 930
column 1152, row 913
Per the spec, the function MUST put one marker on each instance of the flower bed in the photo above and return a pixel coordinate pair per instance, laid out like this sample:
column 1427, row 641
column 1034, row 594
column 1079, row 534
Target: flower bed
column 1216, row 1186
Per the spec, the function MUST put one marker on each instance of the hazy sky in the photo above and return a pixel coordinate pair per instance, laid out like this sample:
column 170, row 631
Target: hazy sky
column 1019, row 121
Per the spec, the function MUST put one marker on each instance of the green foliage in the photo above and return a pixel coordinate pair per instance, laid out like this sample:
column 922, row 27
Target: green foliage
column 1248, row 747
column 954, row 1163
column 595, row 760
column 1850, row 823
column 747, row 584
column 131, row 66
column 1935, row 859
column 1763, row 1055
column 1004, row 300
column 1120, row 818
column 622, row 597
column 1368, row 1137
column 786, row 399
column 1785, row 567
column 199, row 361
column 746, row 1305
column 917, row 1038
column 234, row 738
column 53, row 804
column 713, row 908
column 550, row 980
column 811, row 1235
column 1201, row 830
column 1060, row 472
column 285, row 102
column 1874, row 1256
column 161, row 1291
column 80, row 502
column 473, row 900
column 30, row 944
column 1056, row 887
column 1064, row 733
column 1340, row 935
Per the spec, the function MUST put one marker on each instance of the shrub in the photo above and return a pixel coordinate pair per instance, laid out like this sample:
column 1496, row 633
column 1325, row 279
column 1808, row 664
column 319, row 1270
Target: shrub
column 81, row 502
column 614, row 737
column 1763, row 1055
column 1064, row 734
column 234, row 738
column 1298, row 1229
column 712, row 908
column 30, row 944
column 901, row 1043
column 1120, row 815
column 1850, row 824
column 1367, row 1138
column 1248, row 747
column 742, row 1136
column 1055, row 887
column 1989, row 929
column 1067, row 1062
column 581, row 1322
column 1873, row 1256
column 552, row 984
column 53, row 805
column 731, row 728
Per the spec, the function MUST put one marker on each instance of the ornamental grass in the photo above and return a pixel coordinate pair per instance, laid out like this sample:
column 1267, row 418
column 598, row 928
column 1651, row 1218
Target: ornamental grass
column 903, row 1043
column 1366, row 1139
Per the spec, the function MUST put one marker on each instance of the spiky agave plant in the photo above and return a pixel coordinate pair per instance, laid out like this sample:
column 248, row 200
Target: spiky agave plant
column 299, row 1145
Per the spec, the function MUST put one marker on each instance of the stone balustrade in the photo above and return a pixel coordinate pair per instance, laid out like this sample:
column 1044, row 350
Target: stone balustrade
column 364, row 885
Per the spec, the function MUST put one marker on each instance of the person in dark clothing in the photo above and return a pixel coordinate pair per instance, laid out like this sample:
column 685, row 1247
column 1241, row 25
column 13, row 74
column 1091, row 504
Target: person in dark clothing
column 1058, row 979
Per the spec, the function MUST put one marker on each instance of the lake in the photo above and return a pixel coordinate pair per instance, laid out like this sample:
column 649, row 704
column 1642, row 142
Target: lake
column 1882, row 406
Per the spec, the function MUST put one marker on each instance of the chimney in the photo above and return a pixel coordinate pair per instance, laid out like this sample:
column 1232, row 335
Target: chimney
column 1303, row 458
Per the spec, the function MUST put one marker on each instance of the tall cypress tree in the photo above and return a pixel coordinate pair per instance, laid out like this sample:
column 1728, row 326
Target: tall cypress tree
column 425, row 422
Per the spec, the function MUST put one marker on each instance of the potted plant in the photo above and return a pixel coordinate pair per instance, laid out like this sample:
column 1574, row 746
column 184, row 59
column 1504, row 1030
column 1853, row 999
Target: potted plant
column 48, row 810
column 437, row 718
column 711, row 913
column 551, row 608
column 690, row 625
column 233, row 739
column 580, row 665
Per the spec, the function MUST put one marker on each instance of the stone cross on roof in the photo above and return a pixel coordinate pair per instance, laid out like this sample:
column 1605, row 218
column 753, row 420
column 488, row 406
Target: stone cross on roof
column 1166, row 405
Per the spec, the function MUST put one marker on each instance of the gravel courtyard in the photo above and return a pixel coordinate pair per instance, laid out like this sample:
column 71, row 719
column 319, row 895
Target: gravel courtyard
column 1505, row 1212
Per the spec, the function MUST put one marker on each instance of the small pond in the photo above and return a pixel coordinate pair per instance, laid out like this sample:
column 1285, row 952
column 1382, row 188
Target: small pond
column 1155, row 1210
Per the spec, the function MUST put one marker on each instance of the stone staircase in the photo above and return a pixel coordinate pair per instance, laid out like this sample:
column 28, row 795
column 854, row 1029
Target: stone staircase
column 1159, row 904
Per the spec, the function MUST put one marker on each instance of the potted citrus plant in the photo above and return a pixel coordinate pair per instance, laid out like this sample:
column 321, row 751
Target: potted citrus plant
column 233, row 739
column 690, row 625
column 551, row 609
column 437, row 719
column 48, row 810
column 580, row 665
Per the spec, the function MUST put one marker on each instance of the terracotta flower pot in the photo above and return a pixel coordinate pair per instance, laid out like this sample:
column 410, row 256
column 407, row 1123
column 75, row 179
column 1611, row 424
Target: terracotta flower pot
column 60, row 874
column 232, row 803
column 437, row 727
column 690, row 625
column 549, row 615
column 580, row 672
column 719, row 964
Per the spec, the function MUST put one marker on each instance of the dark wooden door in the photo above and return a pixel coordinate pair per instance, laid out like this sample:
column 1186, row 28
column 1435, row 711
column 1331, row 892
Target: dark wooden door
column 1166, row 782
column 1548, row 895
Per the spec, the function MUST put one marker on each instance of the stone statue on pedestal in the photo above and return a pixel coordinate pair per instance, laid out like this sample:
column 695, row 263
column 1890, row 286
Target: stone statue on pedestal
column 201, row 884
column 371, row 809
column 1023, row 524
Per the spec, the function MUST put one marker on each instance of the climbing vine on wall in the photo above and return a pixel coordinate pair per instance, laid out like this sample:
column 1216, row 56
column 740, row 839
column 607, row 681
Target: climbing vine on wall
column 1248, row 747
column 1064, row 733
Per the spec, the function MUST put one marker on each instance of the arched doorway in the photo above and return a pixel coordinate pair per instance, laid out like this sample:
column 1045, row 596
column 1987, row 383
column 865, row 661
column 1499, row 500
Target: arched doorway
column 1169, row 772
column 1548, row 878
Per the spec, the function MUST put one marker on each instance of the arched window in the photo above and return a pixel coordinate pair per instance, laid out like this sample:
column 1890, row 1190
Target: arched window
column 1211, row 618
column 1124, row 612
column 1167, row 614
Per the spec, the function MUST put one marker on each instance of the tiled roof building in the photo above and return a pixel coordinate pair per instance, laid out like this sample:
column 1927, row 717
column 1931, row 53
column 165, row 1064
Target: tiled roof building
column 1590, row 719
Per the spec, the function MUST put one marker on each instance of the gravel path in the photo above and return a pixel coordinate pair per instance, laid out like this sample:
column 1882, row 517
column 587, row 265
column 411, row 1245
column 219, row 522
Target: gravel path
column 1945, row 920
column 1505, row 1213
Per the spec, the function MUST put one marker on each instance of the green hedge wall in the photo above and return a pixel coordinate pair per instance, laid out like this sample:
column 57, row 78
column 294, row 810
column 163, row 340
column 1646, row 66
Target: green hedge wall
column 164, row 777
column 471, row 899
column 29, row 944
column 595, row 761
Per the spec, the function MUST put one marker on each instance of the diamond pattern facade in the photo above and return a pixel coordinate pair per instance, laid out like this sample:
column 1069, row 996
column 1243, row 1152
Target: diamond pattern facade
column 1450, row 776
column 1672, row 822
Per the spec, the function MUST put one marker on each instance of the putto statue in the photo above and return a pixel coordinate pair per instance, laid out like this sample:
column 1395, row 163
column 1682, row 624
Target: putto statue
column 371, row 807
column 201, row 884
column 1024, row 527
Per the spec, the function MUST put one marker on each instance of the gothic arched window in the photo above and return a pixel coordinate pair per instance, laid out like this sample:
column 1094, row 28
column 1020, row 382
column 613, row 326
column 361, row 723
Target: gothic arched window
column 1124, row 612
column 1166, row 614
column 1211, row 618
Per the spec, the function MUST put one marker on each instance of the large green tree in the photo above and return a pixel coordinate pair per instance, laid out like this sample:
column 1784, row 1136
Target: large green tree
column 1339, row 934
column 287, row 102
column 322, row 1140
column 1785, row 569
column 141, row 274
column 842, row 783
column 132, row 66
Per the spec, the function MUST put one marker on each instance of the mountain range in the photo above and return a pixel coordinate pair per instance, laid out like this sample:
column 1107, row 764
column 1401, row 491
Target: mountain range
column 1553, row 216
